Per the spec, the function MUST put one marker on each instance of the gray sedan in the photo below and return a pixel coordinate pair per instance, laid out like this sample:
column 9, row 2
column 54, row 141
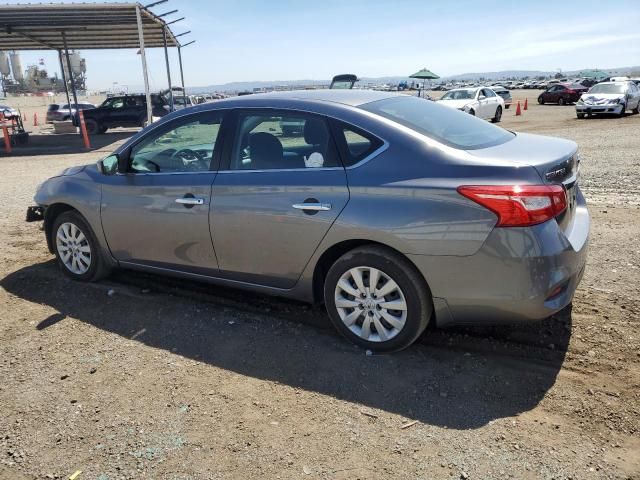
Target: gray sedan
column 391, row 210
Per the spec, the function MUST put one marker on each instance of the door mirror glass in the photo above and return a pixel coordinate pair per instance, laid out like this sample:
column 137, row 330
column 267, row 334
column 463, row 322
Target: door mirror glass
column 481, row 97
column 109, row 165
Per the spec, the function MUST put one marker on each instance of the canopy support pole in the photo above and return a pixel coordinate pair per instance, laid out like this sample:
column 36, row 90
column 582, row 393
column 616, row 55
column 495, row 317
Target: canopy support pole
column 145, row 73
column 73, row 84
column 64, row 78
column 166, row 59
column 184, row 94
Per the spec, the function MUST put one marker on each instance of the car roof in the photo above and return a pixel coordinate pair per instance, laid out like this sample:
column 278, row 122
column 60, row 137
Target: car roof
column 353, row 98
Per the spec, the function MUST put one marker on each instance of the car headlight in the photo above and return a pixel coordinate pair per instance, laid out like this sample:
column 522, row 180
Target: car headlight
column 614, row 101
column 580, row 101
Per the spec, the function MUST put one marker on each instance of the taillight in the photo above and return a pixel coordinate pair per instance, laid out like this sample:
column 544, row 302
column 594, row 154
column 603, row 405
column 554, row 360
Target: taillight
column 571, row 91
column 519, row 205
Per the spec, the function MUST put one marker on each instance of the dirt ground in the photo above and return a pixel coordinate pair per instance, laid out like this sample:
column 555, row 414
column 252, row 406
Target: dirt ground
column 139, row 376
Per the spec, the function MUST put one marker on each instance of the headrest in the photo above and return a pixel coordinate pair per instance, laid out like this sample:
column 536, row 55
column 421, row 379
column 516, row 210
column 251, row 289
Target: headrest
column 316, row 132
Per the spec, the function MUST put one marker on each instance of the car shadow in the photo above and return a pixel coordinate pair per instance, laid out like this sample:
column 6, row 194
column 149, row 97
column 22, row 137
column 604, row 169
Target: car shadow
column 458, row 378
column 66, row 143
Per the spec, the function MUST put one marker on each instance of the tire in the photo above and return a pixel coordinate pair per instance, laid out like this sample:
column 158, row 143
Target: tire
column 408, row 289
column 142, row 120
column 541, row 100
column 622, row 112
column 637, row 109
column 506, row 107
column 71, row 235
column 472, row 112
column 580, row 115
column 93, row 127
column 496, row 118
column 103, row 128
column 561, row 101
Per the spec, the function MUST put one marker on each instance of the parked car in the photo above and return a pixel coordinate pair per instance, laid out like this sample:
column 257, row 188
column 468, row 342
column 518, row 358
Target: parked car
column 8, row 111
column 609, row 97
column 480, row 102
column 562, row 93
column 392, row 210
column 60, row 112
column 504, row 94
column 123, row 111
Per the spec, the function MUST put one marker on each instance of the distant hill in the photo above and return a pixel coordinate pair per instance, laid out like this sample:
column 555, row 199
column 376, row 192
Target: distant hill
column 502, row 75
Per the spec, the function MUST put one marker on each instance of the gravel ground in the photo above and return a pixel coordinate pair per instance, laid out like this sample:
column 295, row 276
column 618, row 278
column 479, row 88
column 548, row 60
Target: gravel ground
column 140, row 376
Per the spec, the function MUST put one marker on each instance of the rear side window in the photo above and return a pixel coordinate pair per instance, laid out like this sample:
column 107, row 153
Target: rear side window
column 355, row 144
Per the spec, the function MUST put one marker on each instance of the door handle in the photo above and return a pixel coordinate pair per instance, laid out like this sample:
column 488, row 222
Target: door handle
column 190, row 201
column 318, row 207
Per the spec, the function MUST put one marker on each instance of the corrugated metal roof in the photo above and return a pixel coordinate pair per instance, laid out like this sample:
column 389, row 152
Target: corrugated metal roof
column 86, row 26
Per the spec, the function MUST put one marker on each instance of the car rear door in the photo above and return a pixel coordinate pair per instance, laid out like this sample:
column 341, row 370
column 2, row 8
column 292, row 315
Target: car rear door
column 275, row 197
column 157, row 214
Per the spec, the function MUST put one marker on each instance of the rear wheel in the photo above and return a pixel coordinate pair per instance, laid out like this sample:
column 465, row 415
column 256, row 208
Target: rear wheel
column 377, row 299
column 93, row 127
column 496, row 118
column 580, row 115
column 76, row 248
column 561, row 101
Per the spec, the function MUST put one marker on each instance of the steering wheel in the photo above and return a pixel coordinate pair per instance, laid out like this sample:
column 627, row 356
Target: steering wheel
column 186, row 155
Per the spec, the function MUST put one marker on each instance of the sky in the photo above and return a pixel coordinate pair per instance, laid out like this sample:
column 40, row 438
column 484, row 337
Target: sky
column 254, row 40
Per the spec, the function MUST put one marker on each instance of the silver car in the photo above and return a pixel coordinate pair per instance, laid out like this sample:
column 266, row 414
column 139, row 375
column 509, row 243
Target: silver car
column 391, row 210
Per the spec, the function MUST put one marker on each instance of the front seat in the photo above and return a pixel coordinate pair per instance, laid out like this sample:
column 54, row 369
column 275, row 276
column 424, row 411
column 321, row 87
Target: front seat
column 316, row 134
column 266, row 151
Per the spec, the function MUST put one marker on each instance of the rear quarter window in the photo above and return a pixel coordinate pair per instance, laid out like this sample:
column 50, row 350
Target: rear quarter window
column 355, row 144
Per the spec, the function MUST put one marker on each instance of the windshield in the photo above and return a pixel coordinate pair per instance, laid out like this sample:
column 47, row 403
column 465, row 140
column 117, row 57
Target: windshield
column 180, row 101
column 607, row 88
column 446, row 125
column 466, row 94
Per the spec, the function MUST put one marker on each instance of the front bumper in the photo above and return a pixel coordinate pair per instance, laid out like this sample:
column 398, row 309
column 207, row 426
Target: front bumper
column 519, row 274
column 599, row 109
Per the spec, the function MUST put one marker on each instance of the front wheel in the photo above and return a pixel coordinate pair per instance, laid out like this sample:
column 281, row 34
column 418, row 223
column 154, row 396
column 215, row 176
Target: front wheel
column 580, row 115
column 377, row 299
column 472, row 112
column 76, row 248
column 496, row 118
column 624, row 109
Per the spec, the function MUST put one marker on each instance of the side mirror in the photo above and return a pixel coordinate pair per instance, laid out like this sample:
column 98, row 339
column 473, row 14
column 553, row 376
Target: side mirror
column 481, row 97
column 108, row 165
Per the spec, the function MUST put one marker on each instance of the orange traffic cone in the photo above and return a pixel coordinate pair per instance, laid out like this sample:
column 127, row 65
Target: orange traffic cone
column 518, row 111
column 24, row 117
column 526, row 104
column 35, row 119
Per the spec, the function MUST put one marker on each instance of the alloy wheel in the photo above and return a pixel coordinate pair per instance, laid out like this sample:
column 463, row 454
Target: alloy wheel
column 371, row 304
column 73, row 248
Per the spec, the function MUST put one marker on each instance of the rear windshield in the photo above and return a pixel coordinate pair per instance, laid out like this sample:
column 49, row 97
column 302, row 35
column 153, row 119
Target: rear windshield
column 444, row 124
column 459, row 94
column 607, row 88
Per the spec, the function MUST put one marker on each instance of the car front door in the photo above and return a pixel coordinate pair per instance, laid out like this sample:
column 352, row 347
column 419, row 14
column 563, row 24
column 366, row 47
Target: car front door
column 276, row 196
column 157, row 212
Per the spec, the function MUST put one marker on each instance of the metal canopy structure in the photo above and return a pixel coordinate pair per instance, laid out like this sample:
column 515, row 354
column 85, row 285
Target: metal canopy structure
column 86, row 26
column 56, row 26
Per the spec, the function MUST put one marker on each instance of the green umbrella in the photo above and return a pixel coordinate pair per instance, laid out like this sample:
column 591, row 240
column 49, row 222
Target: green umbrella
column 424, row 75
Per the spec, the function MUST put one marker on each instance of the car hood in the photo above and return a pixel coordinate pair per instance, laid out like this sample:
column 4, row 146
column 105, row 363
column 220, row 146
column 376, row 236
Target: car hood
column 553, row 158
column 600, row 97
column 456, row 103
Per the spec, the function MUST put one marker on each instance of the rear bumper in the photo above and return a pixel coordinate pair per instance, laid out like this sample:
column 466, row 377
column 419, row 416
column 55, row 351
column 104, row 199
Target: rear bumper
column 597, row 109
column 519, row 274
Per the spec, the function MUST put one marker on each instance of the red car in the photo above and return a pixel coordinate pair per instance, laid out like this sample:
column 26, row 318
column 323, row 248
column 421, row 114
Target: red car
column 562, row 93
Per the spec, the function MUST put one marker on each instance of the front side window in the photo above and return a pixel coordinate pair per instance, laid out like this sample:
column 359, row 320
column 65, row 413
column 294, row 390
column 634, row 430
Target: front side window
column 466, row 94
column 184, row 145
column 446, row 125
column 113, row 103
column 282, row 141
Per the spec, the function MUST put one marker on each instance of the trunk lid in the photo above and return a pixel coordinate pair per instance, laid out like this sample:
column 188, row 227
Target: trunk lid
column 555, row 159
